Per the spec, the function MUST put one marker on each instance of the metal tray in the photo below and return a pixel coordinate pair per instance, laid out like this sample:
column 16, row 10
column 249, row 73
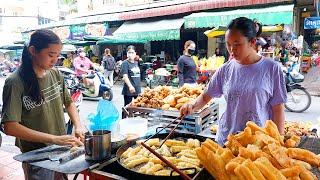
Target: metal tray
column 72, row 167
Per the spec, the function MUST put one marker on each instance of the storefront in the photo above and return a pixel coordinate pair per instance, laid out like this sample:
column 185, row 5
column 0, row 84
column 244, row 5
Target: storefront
column 275, row 15
column 162, row 35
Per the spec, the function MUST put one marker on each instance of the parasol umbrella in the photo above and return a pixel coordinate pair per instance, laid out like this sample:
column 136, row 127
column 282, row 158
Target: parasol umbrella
column 221, row 30
column 217, row 31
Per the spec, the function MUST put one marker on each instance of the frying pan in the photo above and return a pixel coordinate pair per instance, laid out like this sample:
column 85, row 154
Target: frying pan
column 131, row 174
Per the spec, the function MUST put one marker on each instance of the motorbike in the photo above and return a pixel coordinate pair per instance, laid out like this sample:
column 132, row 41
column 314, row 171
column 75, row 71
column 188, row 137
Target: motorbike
column 117, row 73
column 6, row 67
column 298, row 98
column 75, row 90
column 149, row 77
column 101, row 87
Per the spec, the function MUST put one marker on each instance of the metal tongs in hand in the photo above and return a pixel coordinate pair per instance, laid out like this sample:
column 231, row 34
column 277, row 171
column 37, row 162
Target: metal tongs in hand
column 172, row 131
column 183, row 175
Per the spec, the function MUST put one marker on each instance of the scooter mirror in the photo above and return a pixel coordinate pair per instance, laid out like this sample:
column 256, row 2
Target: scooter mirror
column 90, row 76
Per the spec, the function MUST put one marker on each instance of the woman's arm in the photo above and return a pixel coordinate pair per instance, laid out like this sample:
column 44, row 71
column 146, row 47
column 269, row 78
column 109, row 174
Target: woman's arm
column 127, row 81
column 180, row 71
column 17, row 130
column 279, row 117
column 74, row 116
column 195, row 105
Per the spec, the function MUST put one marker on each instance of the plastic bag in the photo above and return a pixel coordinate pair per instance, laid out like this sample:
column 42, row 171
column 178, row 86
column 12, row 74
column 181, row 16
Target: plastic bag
column 106, row 117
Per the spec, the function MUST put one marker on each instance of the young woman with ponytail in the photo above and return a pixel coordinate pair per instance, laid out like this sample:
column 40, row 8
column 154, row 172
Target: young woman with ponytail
column 253, row 86
column 33, row 100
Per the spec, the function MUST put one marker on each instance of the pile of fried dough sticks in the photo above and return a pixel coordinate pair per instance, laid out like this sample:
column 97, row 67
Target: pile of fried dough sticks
column 258, row 153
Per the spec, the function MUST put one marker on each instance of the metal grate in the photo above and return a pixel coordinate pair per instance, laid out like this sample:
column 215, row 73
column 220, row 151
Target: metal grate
column 192, row 124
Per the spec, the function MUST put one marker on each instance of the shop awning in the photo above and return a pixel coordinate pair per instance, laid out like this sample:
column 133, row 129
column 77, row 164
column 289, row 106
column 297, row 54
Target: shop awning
column 267, row 16
column 3, row 51
column 79, row 43
column 220, row 30
column 12, row 46
column 120, row 41
column 94, row 38
column 168, row 29
column 111, row 40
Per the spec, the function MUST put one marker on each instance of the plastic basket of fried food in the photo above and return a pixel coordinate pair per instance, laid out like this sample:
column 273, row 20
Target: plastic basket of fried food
column 258, row 153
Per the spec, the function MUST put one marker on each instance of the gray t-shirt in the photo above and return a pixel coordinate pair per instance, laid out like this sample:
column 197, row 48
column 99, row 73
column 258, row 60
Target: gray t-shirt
column 250, row 92
column 133, row 72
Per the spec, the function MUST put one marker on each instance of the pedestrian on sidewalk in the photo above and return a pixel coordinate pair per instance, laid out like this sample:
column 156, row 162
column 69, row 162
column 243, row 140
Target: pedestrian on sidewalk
column 109, row 65
column 33, row 100
column 130, row 72
column 187, row 68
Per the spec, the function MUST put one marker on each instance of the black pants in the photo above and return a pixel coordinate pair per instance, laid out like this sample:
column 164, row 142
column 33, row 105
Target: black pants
column 127, row 100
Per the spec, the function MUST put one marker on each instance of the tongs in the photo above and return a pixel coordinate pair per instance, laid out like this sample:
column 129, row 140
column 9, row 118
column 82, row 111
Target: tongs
column 305, row 138
column 172, row 131
column 182, row 174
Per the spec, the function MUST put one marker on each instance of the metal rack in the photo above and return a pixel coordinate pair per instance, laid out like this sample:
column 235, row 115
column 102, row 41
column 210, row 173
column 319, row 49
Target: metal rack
column 194, row 123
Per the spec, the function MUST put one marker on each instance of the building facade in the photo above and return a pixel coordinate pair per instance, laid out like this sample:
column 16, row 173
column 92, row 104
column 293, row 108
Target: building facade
column 16, row 15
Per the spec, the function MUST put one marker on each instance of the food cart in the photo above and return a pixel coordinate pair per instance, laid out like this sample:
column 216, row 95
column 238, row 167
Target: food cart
column 186, row 147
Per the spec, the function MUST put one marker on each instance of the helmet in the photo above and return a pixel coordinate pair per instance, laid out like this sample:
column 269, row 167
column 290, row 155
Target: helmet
column 79, row 50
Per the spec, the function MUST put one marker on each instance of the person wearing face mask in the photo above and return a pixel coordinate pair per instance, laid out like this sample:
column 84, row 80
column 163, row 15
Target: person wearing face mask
column 253, row 86
column 187, row 68
column 82, row 65
column 130, row 72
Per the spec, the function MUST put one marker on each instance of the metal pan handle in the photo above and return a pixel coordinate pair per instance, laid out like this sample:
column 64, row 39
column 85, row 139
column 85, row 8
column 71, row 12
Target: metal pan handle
column 88, row 146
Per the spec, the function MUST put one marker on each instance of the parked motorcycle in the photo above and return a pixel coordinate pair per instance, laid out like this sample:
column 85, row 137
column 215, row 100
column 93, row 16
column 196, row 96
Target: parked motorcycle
column 101, row 87
column 117, row 74
column 149, row 77
column 298, row 98
column 6, row 67
column 75, row 90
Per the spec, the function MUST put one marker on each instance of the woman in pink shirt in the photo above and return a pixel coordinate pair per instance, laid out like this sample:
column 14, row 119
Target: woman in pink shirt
column 82, row 65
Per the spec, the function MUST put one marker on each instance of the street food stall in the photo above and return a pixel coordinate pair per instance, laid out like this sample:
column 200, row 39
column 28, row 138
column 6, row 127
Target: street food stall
column 259, row 152
column 266, row 30
column 256, row 149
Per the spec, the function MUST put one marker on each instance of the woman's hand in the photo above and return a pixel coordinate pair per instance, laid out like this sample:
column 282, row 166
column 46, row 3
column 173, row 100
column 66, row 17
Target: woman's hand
column 79, row 133
column 186, row 109
column 132, row 90
column 67, row 140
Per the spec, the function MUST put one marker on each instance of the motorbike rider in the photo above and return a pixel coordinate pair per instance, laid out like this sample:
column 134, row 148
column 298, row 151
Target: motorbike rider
column 82, row 66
